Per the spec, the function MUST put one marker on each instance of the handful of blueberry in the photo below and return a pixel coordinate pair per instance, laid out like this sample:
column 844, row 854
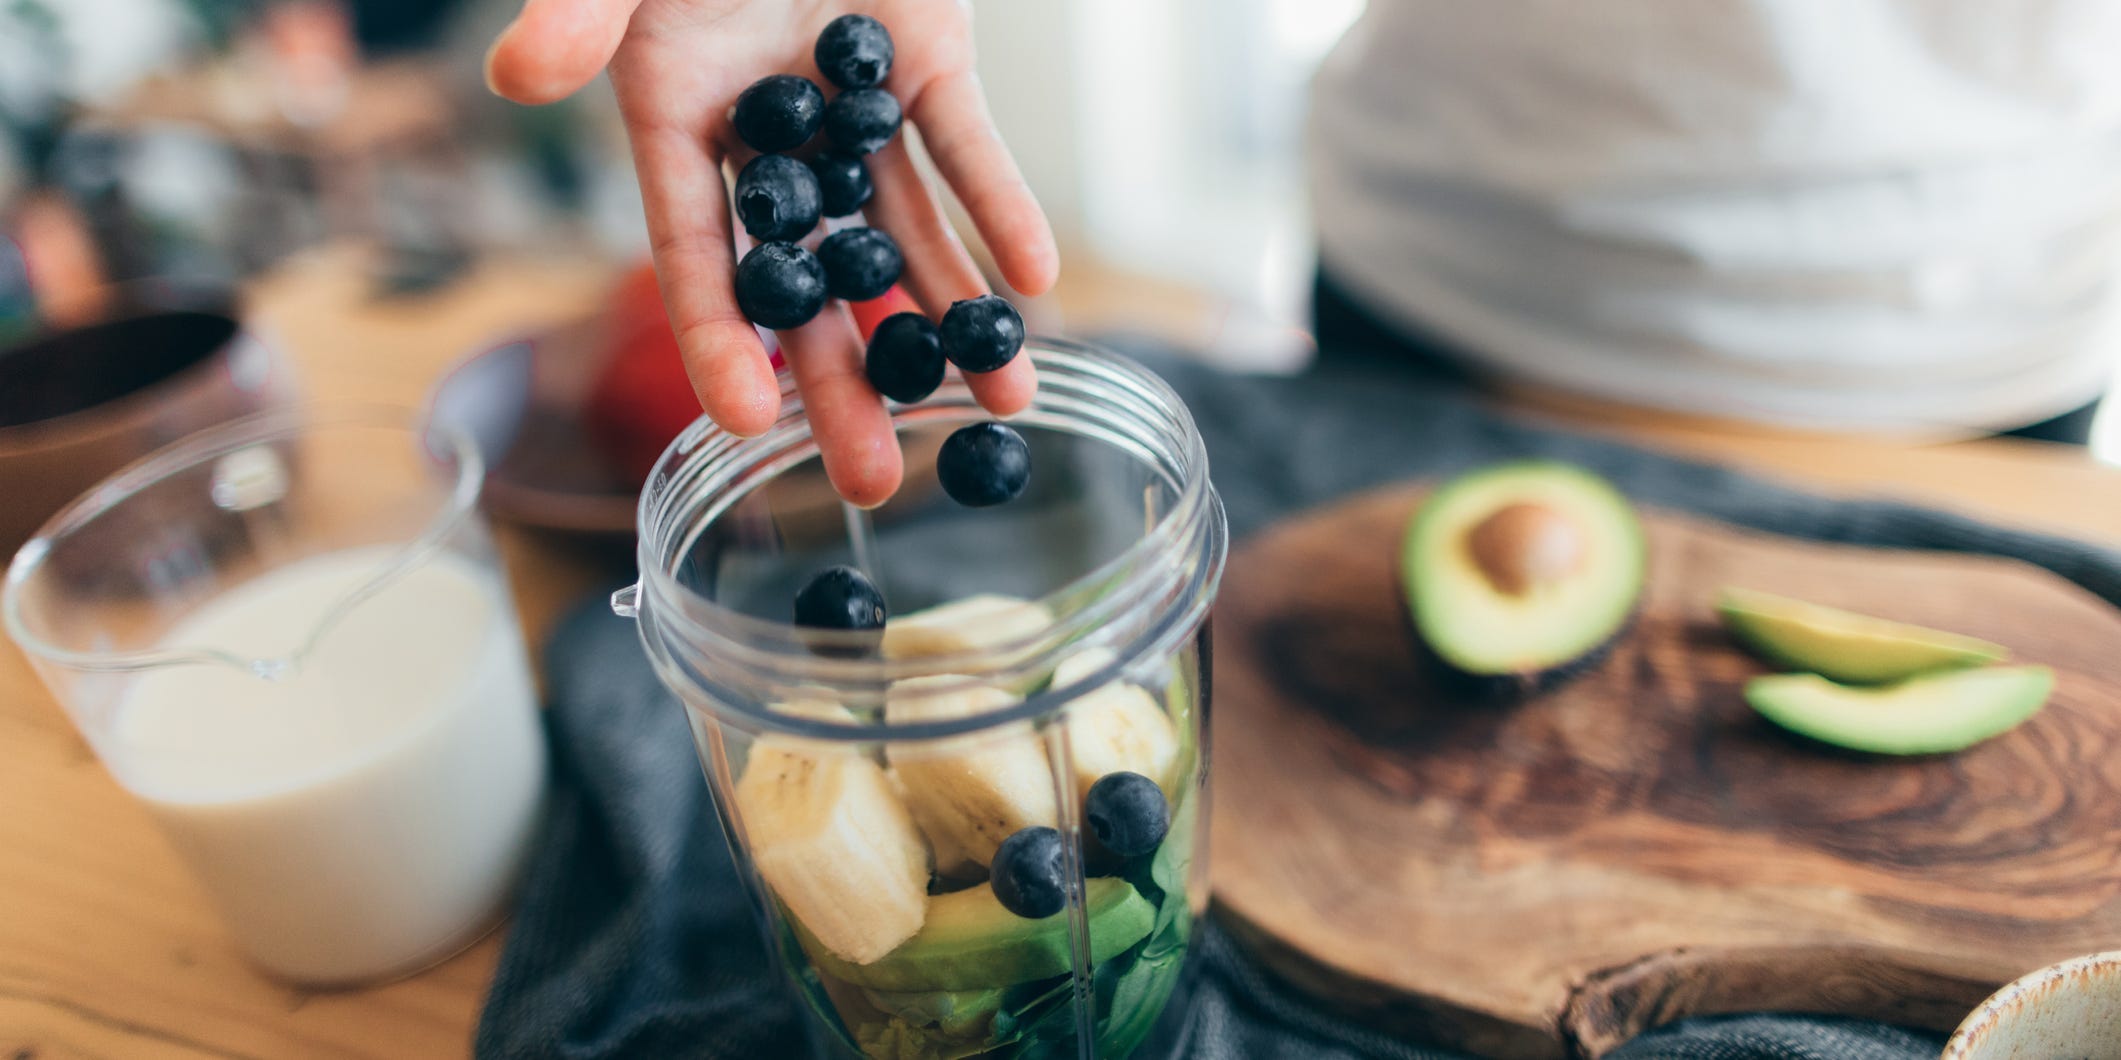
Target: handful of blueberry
column 779, row 200
column 783, row 284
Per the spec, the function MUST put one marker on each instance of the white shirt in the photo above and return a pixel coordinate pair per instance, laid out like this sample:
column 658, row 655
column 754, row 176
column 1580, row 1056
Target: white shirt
column 1881, row 214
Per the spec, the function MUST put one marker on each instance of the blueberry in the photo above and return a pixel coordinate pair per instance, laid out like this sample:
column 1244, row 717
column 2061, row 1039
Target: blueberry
column 983, row 465
column 854, row 51
column 860, row 263
column 777, row 198
column 905, row 361
column 862, row 120
column 982, row 334
column 1030, row 878
column 840, row 598
column 780, row 285
column 779, row 113
column 843, row 179
column 1127, row 814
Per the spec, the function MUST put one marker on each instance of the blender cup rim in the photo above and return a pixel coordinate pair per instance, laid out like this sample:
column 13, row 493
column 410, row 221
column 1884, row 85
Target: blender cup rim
column 665, row 609
column 213, row 443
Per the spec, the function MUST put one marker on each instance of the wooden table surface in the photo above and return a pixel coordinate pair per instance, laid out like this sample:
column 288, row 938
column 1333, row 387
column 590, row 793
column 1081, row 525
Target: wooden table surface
column 107, row 949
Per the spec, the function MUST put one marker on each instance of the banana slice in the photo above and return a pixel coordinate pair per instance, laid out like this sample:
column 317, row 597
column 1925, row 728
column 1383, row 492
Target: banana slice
column 834, row 841
column 971, row 792
column 1117, row 727
column 971, row 624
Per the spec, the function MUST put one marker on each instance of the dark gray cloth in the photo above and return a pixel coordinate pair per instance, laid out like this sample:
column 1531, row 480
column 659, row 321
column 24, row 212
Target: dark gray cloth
column 633, row 937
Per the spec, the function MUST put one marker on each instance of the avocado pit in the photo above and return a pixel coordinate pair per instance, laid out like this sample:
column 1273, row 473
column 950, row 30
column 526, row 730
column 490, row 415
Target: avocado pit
column 1526, row 545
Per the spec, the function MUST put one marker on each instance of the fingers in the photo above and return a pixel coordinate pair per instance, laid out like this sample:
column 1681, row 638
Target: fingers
column 951, row 113
column 938, row 270
column 854, row 433
column 689, row 234
column 555, row 47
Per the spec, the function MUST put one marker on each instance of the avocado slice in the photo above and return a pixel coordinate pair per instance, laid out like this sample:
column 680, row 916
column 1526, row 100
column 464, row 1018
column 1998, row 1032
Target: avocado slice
column 1931, row 714
column 969, row 942
column 1843, row 645
column 1518, row 575
column 952, row 1013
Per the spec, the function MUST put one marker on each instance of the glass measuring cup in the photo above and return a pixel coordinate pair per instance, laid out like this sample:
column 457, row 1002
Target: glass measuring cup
column 868, row 788
column 289, row 637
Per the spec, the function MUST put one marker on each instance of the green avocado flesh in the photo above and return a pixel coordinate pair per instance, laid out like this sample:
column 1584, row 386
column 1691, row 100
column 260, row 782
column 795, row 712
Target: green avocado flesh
column 1923, row 715
column 1843, row 645
column 1479, row 623
column 970, row 942
column 953, row 1013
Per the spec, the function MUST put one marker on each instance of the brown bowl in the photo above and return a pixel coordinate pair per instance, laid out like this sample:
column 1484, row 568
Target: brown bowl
column 79, row 403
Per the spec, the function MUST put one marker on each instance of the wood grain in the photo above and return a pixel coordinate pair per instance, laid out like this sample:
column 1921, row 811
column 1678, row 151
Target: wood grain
column 1614, row 1005
column 1638, row 844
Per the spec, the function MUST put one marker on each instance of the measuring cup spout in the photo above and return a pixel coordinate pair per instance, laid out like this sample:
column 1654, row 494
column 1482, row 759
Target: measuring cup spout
column 626, row 603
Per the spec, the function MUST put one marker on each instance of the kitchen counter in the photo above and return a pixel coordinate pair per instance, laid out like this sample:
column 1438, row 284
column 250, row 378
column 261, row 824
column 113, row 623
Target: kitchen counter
column 107, row 948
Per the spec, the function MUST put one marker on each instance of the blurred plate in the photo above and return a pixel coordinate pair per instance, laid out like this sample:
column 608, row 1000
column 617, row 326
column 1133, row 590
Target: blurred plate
column 526, row 404
column 523, row 402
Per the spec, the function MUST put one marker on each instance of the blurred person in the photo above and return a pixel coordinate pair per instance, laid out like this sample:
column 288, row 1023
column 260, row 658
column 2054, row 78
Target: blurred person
column 677, row 67
column 1882, row 215
column 1871, row 215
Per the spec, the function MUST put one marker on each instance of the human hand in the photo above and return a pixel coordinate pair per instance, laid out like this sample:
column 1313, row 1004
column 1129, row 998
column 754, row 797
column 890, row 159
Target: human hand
column 677, row 67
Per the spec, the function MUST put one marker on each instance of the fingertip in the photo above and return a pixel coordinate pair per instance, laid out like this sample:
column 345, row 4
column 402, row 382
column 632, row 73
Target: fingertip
column 554, row 48
column 486, row 66
column 732, row 378
column 513, row 77
column 1032, row 264
column 746, row 411
column 1008, row 390
column 867, row 472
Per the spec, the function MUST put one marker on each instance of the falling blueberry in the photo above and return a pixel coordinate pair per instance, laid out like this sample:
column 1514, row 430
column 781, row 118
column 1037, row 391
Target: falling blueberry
column 860, row 263
column 1030, row 877
column 862, row 120
column 840, row 598
column 780, row 285
column 843, row 180
column 854, row 51
column 779, row 113
column 983, row 465
column 1127, row 814
column 777, row 198
column 905, row 361
column 982, row 334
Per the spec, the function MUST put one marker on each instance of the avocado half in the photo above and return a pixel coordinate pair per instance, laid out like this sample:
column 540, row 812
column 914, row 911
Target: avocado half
column 1842, row 645
column 1932, row 714
column 1518, row 576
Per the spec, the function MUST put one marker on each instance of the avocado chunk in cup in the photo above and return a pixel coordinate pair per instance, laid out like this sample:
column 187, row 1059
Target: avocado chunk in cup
column 1842, row 645
column 970, row 942
column 1924, row 715
column 1519, row 575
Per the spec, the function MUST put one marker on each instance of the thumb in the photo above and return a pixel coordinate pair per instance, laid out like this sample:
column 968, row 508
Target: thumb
column 555, row 47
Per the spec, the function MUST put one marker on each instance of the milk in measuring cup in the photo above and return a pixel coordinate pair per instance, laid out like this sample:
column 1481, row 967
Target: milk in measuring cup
column 365, row 813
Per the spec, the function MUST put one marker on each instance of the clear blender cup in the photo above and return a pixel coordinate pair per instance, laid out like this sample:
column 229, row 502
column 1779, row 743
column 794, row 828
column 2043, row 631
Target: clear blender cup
column 290, row 639
column 1034, row 649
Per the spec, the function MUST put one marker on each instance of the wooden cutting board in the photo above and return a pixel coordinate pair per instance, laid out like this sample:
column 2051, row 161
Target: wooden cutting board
column 1550, row 878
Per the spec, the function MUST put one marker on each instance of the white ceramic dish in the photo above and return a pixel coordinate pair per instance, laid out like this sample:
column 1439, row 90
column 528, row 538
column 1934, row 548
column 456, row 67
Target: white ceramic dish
column 2067, row 1011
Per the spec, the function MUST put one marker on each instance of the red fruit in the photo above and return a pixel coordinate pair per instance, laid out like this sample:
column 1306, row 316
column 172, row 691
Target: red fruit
column 867, row 315
column 642, row 399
